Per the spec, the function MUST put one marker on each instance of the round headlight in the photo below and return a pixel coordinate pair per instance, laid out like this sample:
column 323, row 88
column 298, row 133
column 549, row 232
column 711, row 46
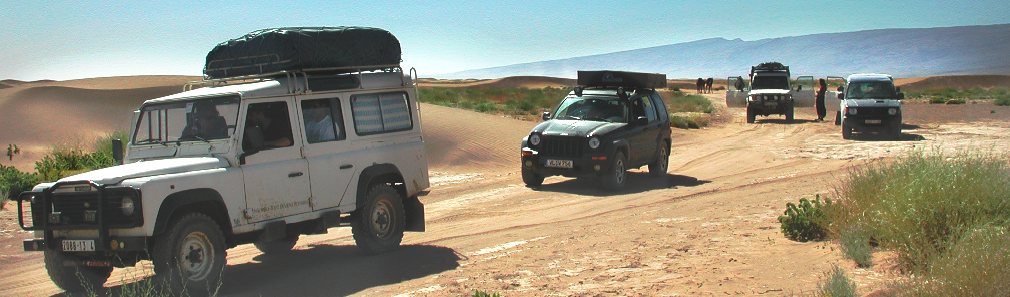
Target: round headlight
column 852, row 110
column 892, row 111
column 127, row 205
column 594, row 142
column 535, row 139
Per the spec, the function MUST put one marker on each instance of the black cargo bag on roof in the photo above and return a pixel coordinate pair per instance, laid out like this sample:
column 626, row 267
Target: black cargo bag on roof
column 278, row 49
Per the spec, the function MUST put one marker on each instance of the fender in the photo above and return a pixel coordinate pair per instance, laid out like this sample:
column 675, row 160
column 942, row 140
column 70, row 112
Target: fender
column 204, row 200
column 383, row 173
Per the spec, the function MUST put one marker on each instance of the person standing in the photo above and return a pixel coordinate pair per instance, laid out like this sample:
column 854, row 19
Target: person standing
column 819, row 100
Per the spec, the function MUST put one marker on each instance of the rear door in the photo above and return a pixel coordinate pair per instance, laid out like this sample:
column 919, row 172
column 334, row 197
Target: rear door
column 643, row 138
column 276, row 178
column 325, row 146
column 736, row 92
column 803, row 91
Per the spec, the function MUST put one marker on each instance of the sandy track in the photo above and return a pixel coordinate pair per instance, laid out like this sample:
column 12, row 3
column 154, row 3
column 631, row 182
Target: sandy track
column 708, row 227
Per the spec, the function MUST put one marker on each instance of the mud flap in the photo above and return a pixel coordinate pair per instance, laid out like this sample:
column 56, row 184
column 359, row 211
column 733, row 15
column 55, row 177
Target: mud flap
column 414, row 211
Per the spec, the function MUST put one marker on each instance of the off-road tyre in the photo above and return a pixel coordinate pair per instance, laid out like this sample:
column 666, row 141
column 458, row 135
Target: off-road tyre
column 277, row 246
column 846, row 131
column 617, row 176
column 661, row 165
column 530, row 178
column 67, row 277
column 751, row 114
column 895, row 132
column 377, row 224
column 790, row 112
column 838, row 118
column 190, row 256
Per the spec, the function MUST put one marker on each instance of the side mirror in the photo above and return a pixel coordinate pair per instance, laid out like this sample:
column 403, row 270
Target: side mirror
column 841, row 96
column 799, row 87
column 117, row 150
column 897, row 89
column 641, row 121
column 900, row 96
column 546, row 115
column 840, row 89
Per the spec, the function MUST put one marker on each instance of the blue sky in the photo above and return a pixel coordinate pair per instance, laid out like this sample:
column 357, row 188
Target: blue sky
column 65, row 40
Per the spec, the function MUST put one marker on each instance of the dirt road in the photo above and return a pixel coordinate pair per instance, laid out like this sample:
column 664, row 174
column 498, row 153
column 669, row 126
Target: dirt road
column 707, row 228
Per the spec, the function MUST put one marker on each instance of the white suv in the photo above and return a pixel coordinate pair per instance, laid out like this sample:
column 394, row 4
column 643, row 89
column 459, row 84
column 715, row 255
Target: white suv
column 255, row 159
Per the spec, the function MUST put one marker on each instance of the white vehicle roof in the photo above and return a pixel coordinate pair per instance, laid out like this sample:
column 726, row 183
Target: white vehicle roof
column 869, row 77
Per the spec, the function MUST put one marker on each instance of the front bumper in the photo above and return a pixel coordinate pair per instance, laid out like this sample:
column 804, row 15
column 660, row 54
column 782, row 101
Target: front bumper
column 865, row 123
column 589, row 164
column 81, row 211
column 770, row 106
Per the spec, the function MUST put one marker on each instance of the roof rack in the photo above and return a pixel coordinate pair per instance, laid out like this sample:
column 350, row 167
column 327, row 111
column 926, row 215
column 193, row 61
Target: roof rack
column 769, row 66
column 627, row 79
column 292, row 75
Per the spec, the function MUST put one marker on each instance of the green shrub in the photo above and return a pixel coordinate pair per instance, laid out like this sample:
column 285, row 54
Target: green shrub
column 1003, row 100
column 920, row 205
column 955, row 101
column 837, row 284
column 856, row 245
column 13, row 182
column 806, row 221
column 484, row 294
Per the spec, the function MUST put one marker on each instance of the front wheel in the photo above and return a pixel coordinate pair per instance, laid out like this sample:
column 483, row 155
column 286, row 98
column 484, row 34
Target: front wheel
column 661, row 165
column 73, row 278
column 190, row 256
column 378, row 224
column 530, row 178
column 751, row 114
column 789, row 113
column 615, row 179
column 846, row 131
column 896, row 132
column 838, row 118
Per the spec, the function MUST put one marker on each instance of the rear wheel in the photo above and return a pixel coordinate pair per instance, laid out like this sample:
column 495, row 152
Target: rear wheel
column 190, row 256
column 617, row 176
column 661, row 165
column 531, row 178
column 378, row 224
column 74, row 278
column 750, row 115
column 846, row 131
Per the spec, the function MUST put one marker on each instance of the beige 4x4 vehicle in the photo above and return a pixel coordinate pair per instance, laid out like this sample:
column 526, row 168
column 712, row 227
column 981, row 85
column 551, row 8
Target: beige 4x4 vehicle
column 255, row 159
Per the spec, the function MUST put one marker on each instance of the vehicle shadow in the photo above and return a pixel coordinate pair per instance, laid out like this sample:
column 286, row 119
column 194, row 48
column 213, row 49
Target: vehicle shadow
column 880, row 136
column 637, row 182
column 781, row 121
column 328, row 270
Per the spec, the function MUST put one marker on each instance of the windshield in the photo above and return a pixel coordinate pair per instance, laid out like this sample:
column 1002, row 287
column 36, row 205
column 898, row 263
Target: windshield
column 592, row 109
column 765, row 82
column 193, row 120
column 870, row 90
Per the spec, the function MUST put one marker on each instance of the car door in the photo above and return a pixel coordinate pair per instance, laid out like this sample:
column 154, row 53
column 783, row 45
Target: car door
column 276, row 177
column 643, row 138
column 803, row 91
column 736, row 92
column 325, row 147
column 831, row 100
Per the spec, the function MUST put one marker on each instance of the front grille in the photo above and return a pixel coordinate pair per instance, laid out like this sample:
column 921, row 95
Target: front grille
column 872, row 110
column 563, row 146
column 77, row 207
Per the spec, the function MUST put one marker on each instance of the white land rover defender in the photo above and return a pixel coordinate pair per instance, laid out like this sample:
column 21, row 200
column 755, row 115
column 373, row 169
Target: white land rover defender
column 770, row 91
column 258, row 158
column 870, row 102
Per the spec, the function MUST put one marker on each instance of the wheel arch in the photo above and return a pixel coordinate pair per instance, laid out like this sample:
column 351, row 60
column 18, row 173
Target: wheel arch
column 376, row 174
column 205, row 201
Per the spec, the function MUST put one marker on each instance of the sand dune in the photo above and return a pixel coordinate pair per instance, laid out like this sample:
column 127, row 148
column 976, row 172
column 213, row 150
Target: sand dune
column 457, row 138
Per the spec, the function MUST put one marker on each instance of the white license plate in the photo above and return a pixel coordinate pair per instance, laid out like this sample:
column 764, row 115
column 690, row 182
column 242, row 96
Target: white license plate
column 873, row 121
column 559, row 163
column 79, row 245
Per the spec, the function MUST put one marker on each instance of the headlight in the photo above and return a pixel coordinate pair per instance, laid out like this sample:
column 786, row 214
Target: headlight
column 851, row 110
column 892, row 111
column 535, row 139
column 594, row 142
column 127, row 205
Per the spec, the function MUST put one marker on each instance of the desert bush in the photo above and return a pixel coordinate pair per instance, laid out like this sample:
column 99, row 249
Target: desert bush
column 513, row 101
column 857, row 245
column 806, row 221
column 484, row 294
column 681, row 102
column 955, row 101
column 921, row 204
column 13, row 182
column 1003, row 100
column 836, row 284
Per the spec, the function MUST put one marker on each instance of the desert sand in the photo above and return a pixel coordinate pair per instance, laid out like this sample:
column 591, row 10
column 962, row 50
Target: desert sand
column 708, row 227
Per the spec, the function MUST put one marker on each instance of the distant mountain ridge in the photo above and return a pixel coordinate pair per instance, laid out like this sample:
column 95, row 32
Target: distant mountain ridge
column 899, row 52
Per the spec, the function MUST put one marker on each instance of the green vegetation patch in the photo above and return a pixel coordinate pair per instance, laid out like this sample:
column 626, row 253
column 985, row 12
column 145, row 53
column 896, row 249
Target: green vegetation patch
column 948, row 95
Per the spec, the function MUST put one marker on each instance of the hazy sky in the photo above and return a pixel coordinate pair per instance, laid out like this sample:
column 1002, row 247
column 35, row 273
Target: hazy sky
column 65, row 40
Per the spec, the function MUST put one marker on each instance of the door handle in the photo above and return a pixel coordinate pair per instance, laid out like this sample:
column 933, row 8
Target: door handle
column 348, row 166
column 296, row 174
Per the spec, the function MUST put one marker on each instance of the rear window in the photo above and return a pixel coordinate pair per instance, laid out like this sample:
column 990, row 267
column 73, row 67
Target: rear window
column 381, row 113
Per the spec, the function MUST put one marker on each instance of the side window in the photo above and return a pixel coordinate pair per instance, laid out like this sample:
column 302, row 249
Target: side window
column 273, row 121
column 660, row 107
column 380, row 113
column 644, row 107
column 323, row 120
